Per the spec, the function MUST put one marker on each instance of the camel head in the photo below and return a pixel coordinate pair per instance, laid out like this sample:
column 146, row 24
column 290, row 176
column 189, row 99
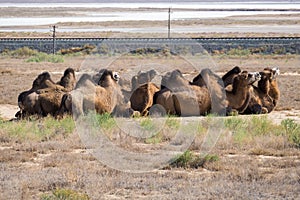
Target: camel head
column 242, row 80
column 253, row 77
column 274, row 72
column 267, row 74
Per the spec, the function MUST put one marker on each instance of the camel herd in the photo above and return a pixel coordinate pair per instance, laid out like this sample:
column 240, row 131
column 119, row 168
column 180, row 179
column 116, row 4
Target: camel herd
column 236, row 91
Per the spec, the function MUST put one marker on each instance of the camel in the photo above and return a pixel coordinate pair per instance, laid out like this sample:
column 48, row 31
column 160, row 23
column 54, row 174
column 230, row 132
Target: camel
column 238, row 99
column 28, row 100
column 104, row 97
column 142, row 98
column 265, row 95
column 274, row 92
column 179, row 97
column 45, row 96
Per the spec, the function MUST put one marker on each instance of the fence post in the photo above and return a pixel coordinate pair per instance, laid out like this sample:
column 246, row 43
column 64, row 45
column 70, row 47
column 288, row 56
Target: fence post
column 53, row 38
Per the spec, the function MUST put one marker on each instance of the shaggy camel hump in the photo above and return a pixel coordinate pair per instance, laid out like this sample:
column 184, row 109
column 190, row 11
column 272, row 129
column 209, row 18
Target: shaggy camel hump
column 68, row 80
column 230, row 75
column 142, row 98
column 178, row 96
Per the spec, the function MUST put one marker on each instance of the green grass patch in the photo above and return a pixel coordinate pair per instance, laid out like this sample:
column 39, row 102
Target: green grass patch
column 245, row 129
column 173, row 122
column 147, row 124
column 38, row 130
column 238, row 52
column 104, row 121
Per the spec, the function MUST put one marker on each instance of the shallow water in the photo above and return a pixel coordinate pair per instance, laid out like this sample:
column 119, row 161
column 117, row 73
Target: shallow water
column 156, row 15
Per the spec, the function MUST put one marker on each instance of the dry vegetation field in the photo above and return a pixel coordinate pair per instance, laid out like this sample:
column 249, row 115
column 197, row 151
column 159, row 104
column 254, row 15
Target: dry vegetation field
column 255, row 157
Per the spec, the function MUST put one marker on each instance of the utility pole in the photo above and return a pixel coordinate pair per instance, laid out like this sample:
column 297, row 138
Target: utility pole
column 53, row 36
column 169, row 23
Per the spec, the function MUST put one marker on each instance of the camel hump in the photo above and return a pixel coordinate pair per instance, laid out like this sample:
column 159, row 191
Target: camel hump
column 229, row 76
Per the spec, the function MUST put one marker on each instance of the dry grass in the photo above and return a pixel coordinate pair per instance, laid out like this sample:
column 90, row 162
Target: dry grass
column 32, row 170
column 260, row 163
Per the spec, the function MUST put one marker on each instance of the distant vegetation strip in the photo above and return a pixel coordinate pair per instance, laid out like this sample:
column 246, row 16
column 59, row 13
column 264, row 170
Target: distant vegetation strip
column 262, row 45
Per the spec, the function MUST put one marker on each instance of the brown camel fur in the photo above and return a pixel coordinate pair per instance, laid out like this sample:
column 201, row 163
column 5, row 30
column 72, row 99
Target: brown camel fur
column 214, row 84
column 274, row 92
column 50, row 98
column 238, row 99
column 264, row 97
column 142, row 98
column 28, row 100
column 186, row 99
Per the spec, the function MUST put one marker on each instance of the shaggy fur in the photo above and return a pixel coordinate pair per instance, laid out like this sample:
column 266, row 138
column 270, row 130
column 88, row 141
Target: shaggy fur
column 238, row 99
column 28, row 100
column 274, row 92
column 142, row 98
column 45, row 96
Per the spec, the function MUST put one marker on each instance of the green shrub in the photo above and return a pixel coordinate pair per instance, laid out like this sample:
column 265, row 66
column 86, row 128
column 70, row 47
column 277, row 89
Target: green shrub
column 146, row 124
column 173, row 122
column 239, row 52
column 189, row 160
column 261, row 125
column 21, row 52
column 43, row 57
column 183, row 160
column 65, row 194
